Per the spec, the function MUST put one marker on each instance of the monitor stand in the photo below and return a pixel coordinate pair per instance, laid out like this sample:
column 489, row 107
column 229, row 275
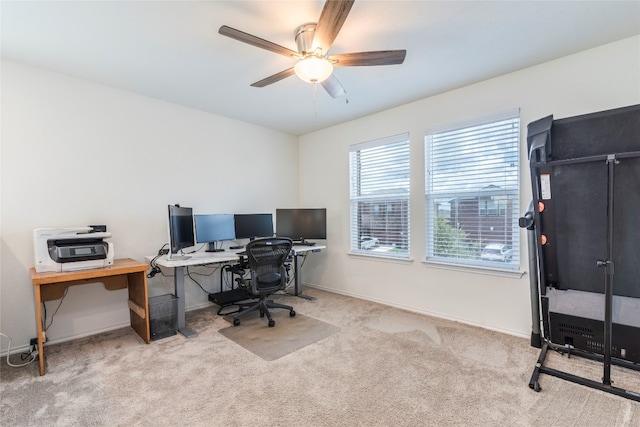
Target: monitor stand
column 177, row 257
column 212, row 248
column 303, row 243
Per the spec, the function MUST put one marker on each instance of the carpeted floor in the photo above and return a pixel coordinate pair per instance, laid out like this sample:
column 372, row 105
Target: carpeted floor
column 381, row 367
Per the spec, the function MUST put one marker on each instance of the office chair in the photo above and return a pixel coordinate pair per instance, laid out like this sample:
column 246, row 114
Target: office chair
column 268, row 274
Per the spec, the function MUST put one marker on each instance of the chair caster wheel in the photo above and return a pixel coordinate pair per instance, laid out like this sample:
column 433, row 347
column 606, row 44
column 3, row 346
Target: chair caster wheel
column 272, row 323
column 292, row 313
column 236, row 322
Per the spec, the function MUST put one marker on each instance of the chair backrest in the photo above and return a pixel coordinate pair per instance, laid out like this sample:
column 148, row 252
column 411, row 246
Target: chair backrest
column 266, row 259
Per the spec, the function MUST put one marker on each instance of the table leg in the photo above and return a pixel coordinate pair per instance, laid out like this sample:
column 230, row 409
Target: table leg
column 41, row 337
column 178, row 281
column 297, row 277
column 139, row 304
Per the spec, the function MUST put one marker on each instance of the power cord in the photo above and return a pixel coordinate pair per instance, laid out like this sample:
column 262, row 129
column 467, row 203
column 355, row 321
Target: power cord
column 33, row 354
column 154, row 267
column 154, row 270
column 44, row 307
column 190, row 273
column 291, row 266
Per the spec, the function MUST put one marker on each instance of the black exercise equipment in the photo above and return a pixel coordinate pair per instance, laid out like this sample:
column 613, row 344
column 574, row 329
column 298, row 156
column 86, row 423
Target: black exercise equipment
column 584, row 241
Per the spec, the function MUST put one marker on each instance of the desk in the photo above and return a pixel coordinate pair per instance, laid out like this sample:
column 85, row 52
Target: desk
column 124, row 273
column 203, row 258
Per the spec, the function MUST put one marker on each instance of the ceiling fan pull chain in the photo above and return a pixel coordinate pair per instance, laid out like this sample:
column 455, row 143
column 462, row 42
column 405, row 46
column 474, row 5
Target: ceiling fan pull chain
column 315, row 102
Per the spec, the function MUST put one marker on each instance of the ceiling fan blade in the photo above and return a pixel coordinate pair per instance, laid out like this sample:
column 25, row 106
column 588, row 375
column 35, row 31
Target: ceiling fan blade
column 256, row 41
column 379, row 57
column 333, row 15
column 333, row 87
column 275, row 78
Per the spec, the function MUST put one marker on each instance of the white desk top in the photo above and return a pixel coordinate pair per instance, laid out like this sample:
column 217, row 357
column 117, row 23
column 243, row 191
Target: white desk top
column 297, row 250
column 228, row 255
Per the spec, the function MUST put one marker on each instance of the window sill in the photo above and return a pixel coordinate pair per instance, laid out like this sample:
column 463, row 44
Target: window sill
column 517, row 274
column 379, row 257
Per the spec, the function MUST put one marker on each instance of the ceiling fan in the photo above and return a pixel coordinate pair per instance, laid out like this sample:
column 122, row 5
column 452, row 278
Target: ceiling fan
column 313, row 40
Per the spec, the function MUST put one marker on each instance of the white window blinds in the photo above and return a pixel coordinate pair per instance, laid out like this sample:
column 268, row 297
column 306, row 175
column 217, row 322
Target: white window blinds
column 379, row 193
column 472, row 193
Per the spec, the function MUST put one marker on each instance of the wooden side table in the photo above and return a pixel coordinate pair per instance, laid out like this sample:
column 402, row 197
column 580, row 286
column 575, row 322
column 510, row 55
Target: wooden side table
column 124, row 273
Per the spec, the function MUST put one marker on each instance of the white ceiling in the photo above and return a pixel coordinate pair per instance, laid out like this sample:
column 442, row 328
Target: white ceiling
column 171, row 50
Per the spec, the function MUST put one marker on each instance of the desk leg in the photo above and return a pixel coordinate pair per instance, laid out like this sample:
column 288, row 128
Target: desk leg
column 297, row 277
column 39, row 329
column 139, row 304
column 178, row 281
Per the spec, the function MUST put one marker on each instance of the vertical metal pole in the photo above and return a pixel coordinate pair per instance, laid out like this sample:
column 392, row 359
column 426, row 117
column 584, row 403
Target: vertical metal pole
column 178, row 282
column 608, row 278
column 527, row 221
column 296, row 274
column 297, row 277
column 536, row 337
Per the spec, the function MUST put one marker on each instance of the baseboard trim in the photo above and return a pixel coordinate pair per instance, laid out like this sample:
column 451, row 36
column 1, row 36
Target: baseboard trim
column 60, row 340
column 420, row 311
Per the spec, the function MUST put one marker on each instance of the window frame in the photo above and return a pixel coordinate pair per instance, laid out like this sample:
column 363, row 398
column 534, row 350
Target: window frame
column 391, row 204
column 491, row 200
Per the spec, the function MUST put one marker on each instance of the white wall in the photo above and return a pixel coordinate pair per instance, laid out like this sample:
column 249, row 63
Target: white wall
column 598, row 79
column 76, row 153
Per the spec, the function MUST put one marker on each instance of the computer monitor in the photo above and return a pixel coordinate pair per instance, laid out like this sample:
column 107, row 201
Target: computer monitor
column 302, row 224
column 180, row 231
column 214, row 228
column 251, row 226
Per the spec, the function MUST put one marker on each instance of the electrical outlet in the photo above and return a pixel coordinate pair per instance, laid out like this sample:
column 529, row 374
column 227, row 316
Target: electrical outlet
column 34, row 341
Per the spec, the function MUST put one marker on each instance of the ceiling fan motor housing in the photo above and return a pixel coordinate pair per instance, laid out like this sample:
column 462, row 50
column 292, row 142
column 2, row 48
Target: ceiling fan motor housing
column 304, row 37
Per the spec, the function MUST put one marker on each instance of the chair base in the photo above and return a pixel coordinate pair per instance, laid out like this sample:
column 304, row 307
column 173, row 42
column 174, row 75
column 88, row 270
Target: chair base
column 263, row 306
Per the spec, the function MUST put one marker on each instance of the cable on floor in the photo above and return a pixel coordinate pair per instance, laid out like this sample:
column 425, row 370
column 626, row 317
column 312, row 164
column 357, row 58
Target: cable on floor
column 33, row 354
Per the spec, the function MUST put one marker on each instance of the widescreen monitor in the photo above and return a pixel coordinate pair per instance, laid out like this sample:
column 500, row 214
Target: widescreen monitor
column 302, row 224
column 180, row 231
column 251, row 226
column 214, row 228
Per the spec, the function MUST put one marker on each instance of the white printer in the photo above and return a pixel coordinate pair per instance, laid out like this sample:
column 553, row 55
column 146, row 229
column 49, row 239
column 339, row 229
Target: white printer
column 69, row 249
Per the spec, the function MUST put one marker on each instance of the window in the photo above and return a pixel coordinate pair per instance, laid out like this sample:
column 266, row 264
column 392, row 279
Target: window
column 472, row 193
column 379, row 192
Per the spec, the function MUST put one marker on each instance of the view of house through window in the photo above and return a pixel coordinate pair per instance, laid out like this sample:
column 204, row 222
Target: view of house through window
column 472, row 193
column 379, row 192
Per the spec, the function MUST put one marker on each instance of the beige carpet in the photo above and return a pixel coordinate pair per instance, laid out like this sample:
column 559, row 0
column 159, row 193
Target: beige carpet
column 384, row 367
column 288, row 335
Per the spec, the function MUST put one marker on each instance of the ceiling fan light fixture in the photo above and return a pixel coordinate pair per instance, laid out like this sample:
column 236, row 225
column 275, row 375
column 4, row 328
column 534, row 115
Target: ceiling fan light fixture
column 313, row 69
